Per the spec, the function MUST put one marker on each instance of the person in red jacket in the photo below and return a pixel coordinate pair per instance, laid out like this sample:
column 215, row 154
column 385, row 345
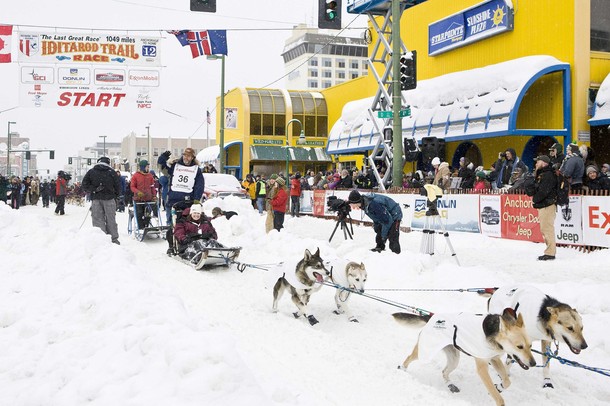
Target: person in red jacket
column 193, row 231
column 61, row 190
column 295, row 195
column 278, row 204
column 144, row 191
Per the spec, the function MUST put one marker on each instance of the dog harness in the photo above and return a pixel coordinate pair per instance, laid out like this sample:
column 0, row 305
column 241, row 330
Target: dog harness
column 525, row 300
column 464, row 331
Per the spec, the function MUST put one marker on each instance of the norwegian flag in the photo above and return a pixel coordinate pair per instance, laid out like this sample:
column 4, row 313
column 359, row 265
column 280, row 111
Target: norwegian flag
column 6, row 32
column 210, row 42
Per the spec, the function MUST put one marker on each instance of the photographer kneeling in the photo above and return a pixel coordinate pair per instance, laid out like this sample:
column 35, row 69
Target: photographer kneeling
column 386, row 215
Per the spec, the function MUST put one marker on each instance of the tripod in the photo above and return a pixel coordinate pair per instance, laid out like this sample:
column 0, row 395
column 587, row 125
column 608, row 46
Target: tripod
column 346, row 231
column 431, row 227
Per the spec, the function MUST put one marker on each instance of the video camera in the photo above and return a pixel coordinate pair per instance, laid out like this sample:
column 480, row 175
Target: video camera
column 64, row 175
column 433, row 193
column 340, row 206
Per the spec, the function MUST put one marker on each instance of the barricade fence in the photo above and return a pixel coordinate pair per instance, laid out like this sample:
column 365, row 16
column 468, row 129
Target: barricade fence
column 583, row 224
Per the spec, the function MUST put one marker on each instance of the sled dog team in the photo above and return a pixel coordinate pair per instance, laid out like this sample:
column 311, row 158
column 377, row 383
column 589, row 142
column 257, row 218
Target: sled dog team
column 516, row 315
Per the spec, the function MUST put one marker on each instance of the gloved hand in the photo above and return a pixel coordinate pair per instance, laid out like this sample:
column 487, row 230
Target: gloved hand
column 196, row 202
column 140, row 195
column 166, row 154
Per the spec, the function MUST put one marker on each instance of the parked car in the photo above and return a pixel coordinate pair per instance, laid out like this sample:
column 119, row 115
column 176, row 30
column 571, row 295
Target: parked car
column 222, row 185
column 490, row 216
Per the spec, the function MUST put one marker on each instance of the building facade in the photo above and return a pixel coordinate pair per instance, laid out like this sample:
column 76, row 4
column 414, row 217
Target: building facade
column 316, row 61
column 494, row 75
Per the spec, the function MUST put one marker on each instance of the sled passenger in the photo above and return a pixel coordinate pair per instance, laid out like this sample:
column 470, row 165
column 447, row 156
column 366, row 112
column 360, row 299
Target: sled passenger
column 193, row 232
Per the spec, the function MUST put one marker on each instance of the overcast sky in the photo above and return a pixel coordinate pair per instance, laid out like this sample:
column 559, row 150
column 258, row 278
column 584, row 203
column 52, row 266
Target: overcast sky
column 256, row 34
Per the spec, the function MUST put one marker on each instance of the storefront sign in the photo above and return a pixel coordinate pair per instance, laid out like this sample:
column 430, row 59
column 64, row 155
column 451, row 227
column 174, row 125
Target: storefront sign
column 490, row 18
column 315, row 143
column 259, row 141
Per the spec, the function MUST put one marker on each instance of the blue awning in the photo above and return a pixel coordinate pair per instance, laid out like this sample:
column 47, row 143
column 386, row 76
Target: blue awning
column 477, row 103
column 601, row 112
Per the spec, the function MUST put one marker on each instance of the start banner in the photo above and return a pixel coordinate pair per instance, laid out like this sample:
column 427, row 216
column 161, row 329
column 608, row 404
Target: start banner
column 98, row 48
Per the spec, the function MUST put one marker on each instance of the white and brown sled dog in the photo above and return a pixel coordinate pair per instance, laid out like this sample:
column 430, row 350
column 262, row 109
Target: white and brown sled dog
column 484, row 337
column 545, row 318
column 353, row 276
column 302, row 283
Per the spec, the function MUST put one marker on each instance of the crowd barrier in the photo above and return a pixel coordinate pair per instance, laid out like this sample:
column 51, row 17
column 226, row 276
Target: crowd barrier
column 585, row 221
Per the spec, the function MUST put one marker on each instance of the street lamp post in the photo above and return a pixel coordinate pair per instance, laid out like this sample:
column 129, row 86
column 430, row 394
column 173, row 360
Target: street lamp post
column 300, row 141
column 8, row 148
column 104, row 137
column 221, row 144
column 149, row 146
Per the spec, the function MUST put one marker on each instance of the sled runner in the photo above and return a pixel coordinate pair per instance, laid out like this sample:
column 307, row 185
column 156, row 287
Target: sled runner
column 202, row 253
column 151, row 225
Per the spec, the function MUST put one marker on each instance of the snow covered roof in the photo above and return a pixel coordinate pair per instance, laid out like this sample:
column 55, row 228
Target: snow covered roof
column 475, row 103
column 209, row 154
column 601, row 114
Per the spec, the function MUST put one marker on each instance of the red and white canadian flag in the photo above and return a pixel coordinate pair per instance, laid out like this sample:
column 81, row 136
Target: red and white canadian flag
column 6, row 32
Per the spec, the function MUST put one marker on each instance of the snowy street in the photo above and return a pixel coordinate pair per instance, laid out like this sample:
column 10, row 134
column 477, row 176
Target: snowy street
column 87, row 322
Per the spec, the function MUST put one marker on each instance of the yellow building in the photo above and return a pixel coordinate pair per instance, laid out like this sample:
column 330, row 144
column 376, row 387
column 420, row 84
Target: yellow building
column 494, row 75
column 491, row 75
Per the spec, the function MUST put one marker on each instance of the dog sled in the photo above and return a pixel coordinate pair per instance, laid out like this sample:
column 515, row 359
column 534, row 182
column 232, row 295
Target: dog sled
column 152, row 223
column 202, row 253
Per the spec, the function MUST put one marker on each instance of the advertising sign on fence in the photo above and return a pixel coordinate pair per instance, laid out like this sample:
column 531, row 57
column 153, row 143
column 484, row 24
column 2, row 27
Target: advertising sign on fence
column 568, row 223
column 520, row 219
column 452, row 210
column 489, row 215
column 596, row 220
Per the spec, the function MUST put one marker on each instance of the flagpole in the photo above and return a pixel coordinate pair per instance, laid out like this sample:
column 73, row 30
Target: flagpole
column 207, row 128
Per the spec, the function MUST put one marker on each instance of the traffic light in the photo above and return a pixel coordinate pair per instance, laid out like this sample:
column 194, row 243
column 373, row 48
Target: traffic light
column 329, row 14
column 69, row 160
column 88, row 161
column 207, row 6
column 408, row 71
column 28, row 155
column 51, row 154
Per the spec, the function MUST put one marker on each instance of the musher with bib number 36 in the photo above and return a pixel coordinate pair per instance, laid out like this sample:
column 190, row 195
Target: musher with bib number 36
column 185, row 182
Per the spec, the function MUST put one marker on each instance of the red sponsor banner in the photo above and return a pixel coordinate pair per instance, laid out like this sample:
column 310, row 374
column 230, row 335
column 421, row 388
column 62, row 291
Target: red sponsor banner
column 319, row 201
column 520, row 219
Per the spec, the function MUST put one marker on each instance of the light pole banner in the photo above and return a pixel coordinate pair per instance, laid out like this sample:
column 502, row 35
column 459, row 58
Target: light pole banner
column 98, row 48
column 88, row 86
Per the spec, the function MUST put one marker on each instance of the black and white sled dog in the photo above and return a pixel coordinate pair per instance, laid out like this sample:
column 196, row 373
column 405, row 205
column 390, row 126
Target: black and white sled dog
column 352, row 276
column 484, row 337
column 545, row 318
column 307, row 279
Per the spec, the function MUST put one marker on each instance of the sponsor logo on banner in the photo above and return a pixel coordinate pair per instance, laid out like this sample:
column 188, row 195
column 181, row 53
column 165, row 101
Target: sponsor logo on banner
column 596, row 220
column 490, row 215
column 110, row 77
column 73, row 76
column 148, row 78
column 144, row 100
column 29, row 44
column 568, row 229
column 36, row 74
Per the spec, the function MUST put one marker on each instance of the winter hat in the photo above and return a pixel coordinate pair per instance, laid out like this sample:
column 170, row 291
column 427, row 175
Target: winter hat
column 557, row 147
column 436, row 161
column 104, row 160
column 196, row 208
column 543, row 158
column 481, row 174
column 143, row 164
column 607, row 166
column 273, row 176
column 280, row 181
column 189, row 151
column 216, row 211
column 354, row 197
column 591, row 168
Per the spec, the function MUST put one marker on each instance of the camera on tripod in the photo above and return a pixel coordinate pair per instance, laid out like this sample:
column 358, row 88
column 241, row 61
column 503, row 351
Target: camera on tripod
column 433, row 193
column 340, row 206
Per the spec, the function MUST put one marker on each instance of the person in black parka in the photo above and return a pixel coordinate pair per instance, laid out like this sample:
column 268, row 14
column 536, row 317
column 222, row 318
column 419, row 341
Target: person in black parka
column 104, row 185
